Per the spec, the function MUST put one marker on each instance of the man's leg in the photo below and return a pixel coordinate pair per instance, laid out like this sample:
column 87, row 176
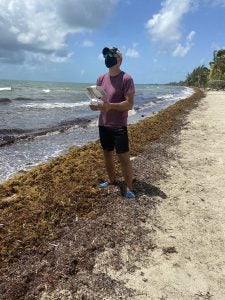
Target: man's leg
column 109, row 165
column 126, row 168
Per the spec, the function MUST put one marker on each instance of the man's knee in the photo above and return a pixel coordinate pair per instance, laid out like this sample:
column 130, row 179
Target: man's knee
column 123, row 157
column 108, row 154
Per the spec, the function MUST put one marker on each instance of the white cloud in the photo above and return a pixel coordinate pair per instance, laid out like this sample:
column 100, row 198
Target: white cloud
column 183, row 50
column 215, row 2
column 132, row 52
column 165, row 26
column 191, row 36
column 85, row 14
column 87, row 43
column 40, row 28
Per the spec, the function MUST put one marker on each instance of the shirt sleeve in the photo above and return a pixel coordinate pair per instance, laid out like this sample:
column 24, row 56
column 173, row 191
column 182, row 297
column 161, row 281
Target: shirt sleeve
column 99, row 80
column 129, row 86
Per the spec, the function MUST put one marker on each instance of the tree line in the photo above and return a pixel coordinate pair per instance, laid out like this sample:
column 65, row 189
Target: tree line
column 212, row 77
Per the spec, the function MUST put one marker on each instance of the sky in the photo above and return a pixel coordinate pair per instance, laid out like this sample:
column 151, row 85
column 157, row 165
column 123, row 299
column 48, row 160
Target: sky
column 62, row 40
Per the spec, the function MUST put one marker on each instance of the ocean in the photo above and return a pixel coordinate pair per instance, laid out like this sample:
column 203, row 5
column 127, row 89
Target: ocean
column 41, row 120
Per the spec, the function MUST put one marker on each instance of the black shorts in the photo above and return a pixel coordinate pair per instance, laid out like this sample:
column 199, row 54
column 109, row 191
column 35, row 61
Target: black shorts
column 114, row 138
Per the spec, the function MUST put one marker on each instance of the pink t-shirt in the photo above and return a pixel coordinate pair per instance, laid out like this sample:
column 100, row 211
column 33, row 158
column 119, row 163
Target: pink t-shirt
column 116, row 88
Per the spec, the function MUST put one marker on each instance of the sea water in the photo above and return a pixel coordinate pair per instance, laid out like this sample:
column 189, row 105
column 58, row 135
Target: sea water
column 41, row 120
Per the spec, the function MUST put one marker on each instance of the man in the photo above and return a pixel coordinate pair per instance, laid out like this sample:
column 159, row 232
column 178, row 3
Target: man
column 119, row 89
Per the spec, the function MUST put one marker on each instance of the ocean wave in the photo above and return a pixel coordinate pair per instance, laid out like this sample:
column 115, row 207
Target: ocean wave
column 12, row 131
column 23, row 98
column 7, row 88
column 167, row 96
column 147, row 105
column 188, row 91
column 28, row 99
column 46, row 90
column 185, row 93
column 5, row 100
column 54, row 105
column 132, row 112
column 12, row 135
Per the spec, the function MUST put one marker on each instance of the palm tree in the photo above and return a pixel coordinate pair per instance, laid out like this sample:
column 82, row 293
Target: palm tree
column 198, row 77
column 217, row 66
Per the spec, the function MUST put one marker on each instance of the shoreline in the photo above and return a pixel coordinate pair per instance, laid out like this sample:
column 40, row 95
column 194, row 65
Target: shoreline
column 22, row 150
column 48, row 200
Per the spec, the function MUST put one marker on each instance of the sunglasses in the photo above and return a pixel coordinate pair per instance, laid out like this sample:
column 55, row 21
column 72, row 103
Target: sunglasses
column 112, row 53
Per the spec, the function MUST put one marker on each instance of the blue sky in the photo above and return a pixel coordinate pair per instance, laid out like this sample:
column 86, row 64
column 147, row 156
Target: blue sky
column 61, row 40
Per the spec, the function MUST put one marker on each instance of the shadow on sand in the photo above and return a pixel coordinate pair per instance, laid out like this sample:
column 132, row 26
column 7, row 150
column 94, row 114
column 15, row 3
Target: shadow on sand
column 141, row 187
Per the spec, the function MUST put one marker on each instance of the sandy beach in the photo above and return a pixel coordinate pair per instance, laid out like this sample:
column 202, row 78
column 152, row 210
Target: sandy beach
column 188, row 261
column 168, row 244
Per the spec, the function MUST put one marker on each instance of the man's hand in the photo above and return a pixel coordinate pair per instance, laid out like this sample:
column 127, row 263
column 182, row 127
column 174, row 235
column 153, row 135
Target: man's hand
column 94, row 107
column 125, row 105
column 102, row 107
column 105, row 106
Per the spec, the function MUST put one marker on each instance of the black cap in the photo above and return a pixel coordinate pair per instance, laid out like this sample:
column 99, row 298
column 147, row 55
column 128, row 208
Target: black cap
column 111, row 51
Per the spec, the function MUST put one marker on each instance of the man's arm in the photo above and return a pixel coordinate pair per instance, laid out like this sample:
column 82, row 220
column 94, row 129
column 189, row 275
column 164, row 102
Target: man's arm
column 125, row 105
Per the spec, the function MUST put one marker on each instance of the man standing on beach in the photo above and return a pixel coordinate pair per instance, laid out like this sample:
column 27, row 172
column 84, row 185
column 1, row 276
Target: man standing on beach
column 119, row 89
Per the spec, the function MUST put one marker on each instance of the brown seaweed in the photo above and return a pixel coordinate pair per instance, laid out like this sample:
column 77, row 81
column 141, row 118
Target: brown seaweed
column 35, row 205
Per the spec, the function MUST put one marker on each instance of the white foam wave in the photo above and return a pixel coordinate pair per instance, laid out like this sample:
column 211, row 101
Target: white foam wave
column 167, row 96
column 46, row 90
column 7, row 88
column 188, row 91
column 185, row 93
column 93, row 123
column 131, row 112
column 54, row 105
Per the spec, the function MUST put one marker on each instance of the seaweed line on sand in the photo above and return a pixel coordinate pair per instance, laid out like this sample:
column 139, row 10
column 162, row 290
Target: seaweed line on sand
column 40, row 207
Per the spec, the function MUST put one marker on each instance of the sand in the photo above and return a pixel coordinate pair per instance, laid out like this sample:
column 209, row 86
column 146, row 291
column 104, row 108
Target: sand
column 189, row 259
column 168, row 244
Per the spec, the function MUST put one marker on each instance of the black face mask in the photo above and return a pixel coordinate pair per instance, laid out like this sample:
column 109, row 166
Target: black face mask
column 110, row 61
column 110, row 55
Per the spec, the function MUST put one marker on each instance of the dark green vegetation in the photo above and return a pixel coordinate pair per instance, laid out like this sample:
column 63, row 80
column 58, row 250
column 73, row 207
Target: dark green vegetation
column 199, row 77
column 212, row 77
column 35, row 205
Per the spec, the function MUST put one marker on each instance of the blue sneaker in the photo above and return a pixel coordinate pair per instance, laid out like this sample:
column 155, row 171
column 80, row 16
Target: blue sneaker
column 130, row 195
column 103, row 184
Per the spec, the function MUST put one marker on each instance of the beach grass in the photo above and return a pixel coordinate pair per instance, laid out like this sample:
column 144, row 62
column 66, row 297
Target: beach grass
column 35, row 205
